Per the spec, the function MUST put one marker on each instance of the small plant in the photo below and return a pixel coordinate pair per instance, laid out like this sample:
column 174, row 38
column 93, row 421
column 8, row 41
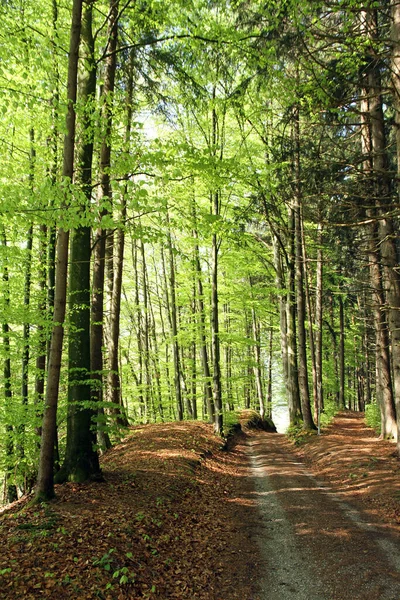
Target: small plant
column 298, row 435
column 105, row 561
column 124, row 576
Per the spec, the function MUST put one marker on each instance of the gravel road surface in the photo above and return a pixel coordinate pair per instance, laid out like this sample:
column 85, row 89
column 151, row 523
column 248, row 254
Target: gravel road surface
column 313, row 545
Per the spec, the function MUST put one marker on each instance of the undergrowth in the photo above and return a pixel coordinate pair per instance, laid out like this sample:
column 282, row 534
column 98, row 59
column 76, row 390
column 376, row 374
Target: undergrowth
column 373, row 416
column 299, row 436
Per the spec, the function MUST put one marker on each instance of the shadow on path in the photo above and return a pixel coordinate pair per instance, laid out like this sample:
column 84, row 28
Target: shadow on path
column 314, row 546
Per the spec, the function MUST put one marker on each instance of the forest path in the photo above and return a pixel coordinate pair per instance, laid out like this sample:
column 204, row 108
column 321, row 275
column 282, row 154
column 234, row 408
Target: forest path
column 313, row 545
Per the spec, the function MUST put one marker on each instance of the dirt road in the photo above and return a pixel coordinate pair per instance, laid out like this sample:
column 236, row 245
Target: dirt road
column 313, row 545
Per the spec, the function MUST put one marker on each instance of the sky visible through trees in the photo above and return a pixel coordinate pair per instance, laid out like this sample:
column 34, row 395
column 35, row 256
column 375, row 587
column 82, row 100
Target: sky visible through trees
column 199, row 213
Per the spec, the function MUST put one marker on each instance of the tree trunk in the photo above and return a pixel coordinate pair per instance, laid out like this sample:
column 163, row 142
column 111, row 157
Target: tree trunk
column 282, row 296
column 318, row 319
column 295, row 414
column 45, row 483
column 269, row 384
column 174, row 326
column 217, row 395
column 342, row 396
column 81, row 460
column 311, row 332
column 42, row 338
column 308, row 422
column 115, row 261
column 10, row 486
column 203, row 340
column 383, row 277
column 99, row 238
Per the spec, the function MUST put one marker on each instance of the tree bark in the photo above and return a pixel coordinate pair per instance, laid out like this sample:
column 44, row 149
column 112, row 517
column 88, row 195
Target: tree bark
column 11, row 492
column 318, row 319
column 174, row 325
column 293, row 390
column 202, row 326
column 384, row 280
column 99, row 241
column 45, row 484
column 308, row 422
column 217, row 395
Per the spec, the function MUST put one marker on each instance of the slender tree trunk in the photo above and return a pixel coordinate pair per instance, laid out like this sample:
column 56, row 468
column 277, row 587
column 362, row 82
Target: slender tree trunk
column 318, row 319
column 311, row 333
column 45, row 483
column 282, row 296
column 342, row 395
column 139, row 333
column 27, row 286
column 308, row 422
column 146, row 330
column 203, row 340
column 295, row 414
column 42, row 338
column 114, row 380
column 269, row 383
column 156, row 361
column 257, row 359
column 99, row 238
column 10, row 485
column 174, row 326
column 115, row 260
column 217, row 395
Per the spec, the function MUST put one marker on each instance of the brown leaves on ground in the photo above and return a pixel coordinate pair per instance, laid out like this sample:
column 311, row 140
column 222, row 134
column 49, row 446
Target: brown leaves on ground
column 165, row 524
column 363, row 469
column 173, row 518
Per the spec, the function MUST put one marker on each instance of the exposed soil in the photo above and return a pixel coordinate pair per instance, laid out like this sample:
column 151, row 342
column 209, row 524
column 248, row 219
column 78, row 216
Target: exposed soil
column 314, row 541
column 360, row 467
column 177, row 517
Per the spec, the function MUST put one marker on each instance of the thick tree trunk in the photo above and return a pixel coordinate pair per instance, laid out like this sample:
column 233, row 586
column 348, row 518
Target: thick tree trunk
column 384, row 279
column 45, row 483
column 81, row 460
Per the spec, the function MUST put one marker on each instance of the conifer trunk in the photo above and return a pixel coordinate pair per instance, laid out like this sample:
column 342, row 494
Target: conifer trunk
column 382, row 253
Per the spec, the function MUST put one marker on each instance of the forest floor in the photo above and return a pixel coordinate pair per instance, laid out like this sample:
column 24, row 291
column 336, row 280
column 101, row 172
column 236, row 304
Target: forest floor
column 177, row 517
